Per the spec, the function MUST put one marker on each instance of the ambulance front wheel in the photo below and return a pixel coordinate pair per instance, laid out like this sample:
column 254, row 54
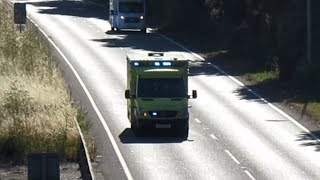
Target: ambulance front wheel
column 135, row 126
column 144, row 31
column 183, row 131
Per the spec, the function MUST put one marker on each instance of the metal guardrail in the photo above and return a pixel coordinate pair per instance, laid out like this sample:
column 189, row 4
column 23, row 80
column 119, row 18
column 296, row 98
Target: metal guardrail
column 85, row 165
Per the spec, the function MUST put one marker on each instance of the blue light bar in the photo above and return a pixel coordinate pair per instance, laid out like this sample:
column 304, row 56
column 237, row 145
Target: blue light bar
column 157, row 64
column 154, row 113
column 136, row 64
column 166, row 63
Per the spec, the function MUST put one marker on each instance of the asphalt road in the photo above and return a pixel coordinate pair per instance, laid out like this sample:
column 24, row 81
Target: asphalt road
column 233, row 133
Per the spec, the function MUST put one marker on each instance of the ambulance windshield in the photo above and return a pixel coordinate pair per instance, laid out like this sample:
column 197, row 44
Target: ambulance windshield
column 131, row 7
column 161, row 88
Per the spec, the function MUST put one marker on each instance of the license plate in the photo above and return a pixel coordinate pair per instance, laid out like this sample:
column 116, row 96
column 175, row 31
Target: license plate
column 163, row 126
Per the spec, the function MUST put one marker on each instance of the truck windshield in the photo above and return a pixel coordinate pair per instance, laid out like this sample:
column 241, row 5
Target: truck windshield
column 161, row 87
column 131, row 7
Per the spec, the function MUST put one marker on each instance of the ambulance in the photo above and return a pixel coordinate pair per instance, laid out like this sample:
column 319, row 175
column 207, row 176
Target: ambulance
column 157, row 92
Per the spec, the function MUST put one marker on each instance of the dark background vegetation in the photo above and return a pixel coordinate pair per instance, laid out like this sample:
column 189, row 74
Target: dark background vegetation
column 264, row 31
column 263, row 34
column 255, row 36
column 258, row 36
column 271, row 32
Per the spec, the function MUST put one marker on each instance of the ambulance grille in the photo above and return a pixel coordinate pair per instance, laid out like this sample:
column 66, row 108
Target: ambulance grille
column 163, row 114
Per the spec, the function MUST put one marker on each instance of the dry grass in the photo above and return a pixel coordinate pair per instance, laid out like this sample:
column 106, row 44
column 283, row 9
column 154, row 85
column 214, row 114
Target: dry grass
column 36, row 111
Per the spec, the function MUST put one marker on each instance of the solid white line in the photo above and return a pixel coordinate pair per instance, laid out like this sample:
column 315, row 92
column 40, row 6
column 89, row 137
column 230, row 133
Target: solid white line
column 270, row 104
column 295, row 122
column 232, row 156
column 249, row 174
column 107, row 129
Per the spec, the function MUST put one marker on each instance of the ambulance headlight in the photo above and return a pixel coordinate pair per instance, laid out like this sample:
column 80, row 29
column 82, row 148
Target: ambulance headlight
column 141, row 17
column 122, row 17
column 166, row 63
column 143, row 113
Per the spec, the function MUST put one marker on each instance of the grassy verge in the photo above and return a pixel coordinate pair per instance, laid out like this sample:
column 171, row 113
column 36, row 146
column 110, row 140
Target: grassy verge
column 297, row 94
column 299, row 98
column 36, row 111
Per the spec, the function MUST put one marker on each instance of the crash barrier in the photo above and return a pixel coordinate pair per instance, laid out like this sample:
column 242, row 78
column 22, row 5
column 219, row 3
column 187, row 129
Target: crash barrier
column 84, row 159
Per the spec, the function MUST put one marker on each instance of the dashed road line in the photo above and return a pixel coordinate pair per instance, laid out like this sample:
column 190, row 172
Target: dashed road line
column 196, row 119
column 292, row 120
column 214, row 137
column 232, row 157
column 249, row 174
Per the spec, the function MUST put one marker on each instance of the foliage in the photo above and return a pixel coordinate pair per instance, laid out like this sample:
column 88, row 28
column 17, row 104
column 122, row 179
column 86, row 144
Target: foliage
column 255, row 29
column 36, row 111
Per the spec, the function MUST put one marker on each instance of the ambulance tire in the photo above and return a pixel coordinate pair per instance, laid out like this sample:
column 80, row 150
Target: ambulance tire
column 144, row 31
column 137, row 130
column 184, row 130
column 113, row 29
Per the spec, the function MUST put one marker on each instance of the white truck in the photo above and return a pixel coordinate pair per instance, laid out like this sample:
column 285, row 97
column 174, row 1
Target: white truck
column 127, row 14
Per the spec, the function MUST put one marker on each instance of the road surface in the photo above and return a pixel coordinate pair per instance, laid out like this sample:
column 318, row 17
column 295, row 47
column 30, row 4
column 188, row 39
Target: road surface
column 233, row 133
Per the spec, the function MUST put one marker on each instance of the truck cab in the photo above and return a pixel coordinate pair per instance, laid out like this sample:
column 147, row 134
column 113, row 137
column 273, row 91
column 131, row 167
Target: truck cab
column 127, row 14
column 157, row 92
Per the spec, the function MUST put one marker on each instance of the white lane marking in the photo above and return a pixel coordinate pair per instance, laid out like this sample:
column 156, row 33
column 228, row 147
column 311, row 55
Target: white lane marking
column 295, row 122
column 214, row 137
column 270, row 105
column 107, row 129
column 232, row 157
column 196, row 119
column 249, row 174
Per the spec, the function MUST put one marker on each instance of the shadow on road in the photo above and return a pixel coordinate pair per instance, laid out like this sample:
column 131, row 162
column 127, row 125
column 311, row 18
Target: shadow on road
column 154, row 137
column 272, row 90
column 310, row 139
column 131, row 39
column 72, row 8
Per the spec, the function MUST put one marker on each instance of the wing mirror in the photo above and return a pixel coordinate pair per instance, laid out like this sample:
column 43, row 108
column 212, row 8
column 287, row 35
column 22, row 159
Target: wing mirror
column 194, row 94
column 128, row 95
column 113, row 12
